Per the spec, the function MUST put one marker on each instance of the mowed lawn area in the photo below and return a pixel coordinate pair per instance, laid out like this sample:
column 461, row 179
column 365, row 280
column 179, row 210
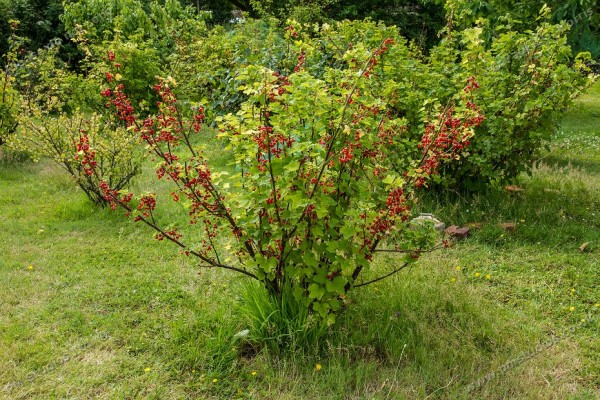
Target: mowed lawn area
column 91, row 306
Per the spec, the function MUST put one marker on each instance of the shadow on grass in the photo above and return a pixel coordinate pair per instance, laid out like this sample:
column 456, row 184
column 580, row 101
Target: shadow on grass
column 410, row 336
column 552, row 210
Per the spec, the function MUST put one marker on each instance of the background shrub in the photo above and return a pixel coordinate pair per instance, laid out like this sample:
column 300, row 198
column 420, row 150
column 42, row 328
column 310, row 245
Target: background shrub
column 9, row 97
column 206, row 68
column 56, row 120
column 67, row 139
column 527, row 81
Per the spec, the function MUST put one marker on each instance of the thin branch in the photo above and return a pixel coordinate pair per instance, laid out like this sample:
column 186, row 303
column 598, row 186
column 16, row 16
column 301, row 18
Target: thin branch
column 384, row 276
column 334, row 134
column 328, row 154
column 419, row 251
column 180, row 244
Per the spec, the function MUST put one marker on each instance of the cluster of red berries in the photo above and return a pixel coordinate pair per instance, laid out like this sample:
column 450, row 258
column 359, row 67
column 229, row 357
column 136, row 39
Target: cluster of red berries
column 292, row 31
column 118, row 99
column 378, row 52
column 346, row 154
column 471, row 84
column 301, row 62
column 270, row 142
column 113, row 197
column 86, row 155
column 396, row 203
column 445, row 140
column 146, row 205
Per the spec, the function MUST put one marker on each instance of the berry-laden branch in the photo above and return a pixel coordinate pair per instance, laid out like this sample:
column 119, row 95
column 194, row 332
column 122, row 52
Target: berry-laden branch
column 163, row 134
column 324, row 175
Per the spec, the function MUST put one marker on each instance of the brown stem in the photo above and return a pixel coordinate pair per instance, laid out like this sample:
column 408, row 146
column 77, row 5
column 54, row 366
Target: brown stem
column 384, row 276
column 207, row 260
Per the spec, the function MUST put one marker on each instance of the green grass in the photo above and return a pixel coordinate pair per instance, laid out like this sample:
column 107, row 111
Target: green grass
column 578, row 143
column 107, row 312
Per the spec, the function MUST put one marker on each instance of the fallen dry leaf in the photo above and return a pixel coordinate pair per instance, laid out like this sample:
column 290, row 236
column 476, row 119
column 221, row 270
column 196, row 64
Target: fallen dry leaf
column 508, row 226
column 514, row 188
column 458, row 232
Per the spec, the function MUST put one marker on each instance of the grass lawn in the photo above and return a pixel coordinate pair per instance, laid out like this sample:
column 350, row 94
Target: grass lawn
column 93, row 307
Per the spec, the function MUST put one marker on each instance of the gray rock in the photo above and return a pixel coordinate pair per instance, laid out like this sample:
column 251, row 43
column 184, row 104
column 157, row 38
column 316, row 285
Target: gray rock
column 439, row 225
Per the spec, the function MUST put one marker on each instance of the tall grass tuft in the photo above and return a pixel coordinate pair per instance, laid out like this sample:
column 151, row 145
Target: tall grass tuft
column 279, row 323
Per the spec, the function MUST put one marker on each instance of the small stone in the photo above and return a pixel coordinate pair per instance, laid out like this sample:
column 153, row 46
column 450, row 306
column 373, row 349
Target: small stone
column 439, row 225
column 242, row 334
column 458, row 232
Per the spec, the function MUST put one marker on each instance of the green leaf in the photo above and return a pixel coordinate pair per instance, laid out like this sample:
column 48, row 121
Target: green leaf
column 292, row 167
column 332, row 246
column 310, row 260
column 316, row 291
column 322, row 212
column 347, row 231
column 388, row 180
column 337, row 285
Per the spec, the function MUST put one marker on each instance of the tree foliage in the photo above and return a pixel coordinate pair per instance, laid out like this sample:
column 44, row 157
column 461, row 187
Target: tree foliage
column 39, row 21
column 582, row 16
